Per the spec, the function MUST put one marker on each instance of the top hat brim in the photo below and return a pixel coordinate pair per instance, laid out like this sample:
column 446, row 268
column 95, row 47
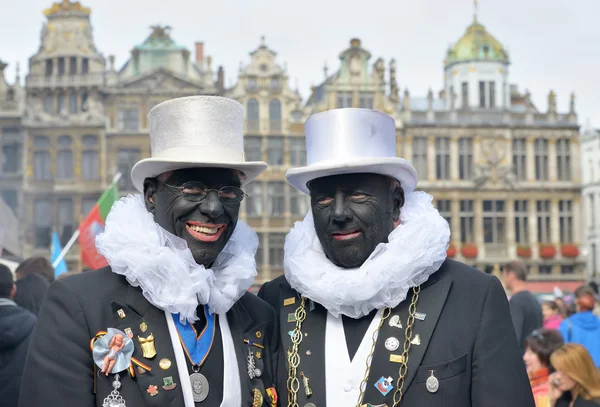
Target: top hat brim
column 153, row 167
column 394, row 167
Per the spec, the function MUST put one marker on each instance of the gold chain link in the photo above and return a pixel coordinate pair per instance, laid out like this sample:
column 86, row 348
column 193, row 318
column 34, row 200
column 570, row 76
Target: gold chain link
column 412, row 309
column 293, row 384
column 363, row 385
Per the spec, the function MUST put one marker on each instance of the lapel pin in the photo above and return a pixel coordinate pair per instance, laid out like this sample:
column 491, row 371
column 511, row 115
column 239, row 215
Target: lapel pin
column 272, row 393
column 420, row 316
column 147, row 344
column 152, row 390
column 164, row 364
column 168, row 383
column 129, row 333
column 292, row 317
column 306, row 383
column 257, row 398
column 392, row 344
column 416, row 340
column 121, row 313
column 289, row 301
column 396, row 358
column 258, row 355
column 384, row 385
column 141, row 370
column 143, row 327
column 258, row 334
column 308, row 353
column 432, row 383
column 395, row 322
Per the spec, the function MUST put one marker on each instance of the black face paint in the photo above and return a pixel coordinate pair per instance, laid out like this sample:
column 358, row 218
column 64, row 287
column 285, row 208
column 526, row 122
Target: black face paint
column 353, row 213
column 195, row 222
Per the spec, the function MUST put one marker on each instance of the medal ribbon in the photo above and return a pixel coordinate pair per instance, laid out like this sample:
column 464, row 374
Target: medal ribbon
column 196, row 347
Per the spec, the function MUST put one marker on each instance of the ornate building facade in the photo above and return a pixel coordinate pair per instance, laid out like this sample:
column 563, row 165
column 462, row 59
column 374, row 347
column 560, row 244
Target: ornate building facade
column 590, row 162
column 273, row 133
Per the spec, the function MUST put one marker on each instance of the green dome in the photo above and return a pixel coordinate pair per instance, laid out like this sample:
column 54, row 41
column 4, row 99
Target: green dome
column 476, row 45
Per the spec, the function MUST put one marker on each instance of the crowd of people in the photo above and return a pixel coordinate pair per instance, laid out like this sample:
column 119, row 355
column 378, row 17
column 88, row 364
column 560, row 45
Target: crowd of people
column 560, row 341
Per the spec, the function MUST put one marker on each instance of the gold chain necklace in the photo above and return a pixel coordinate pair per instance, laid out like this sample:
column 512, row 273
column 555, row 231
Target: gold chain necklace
column 293, row 384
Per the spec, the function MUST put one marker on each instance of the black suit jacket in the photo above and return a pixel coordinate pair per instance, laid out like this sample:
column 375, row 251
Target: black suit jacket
column 467, row 339
column 59, row 370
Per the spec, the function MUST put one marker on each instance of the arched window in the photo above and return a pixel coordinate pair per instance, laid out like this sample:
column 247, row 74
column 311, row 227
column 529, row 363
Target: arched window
column 275, row 115
column 64, row 165
column 252, row 115
column 90, row 163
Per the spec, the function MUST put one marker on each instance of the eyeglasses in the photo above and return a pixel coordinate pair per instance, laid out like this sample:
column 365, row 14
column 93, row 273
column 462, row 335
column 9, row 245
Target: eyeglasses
column 195, row 191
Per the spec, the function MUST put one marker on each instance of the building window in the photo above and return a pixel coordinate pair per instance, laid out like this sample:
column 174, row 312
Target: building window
column 563, row 159
column 11, row 197
column 252, row 84
column 274, row 84
column 254, row 201
column 61, row 66
column 253, row 115
column 545, row 269
column 41, row 159
column 543, row 219
column 492, row 92
column 66, row 226
column 127, row 157
column 365, row 100
column 567, row 269
column 481, row 94
column 275, row 150
column 48, row 103
column 465, row 158
column 297, row 151
column 299, row 202
column 344, row 99
column 521, row 222
column 297, row 116
column 85, row 66
column 128, row 119
column 72, row 102
column 442, row 158
column 259, row 256
column 276, row 198
column 467, row 220
column 565, row 220
column 252, row 148
column 60, row 103
column 42, row 215
column 541, row 159
column 275, row 115
column 519, row 156
column 87, row 204
column 84, row 102
column 89, row 158
column 48, row 69
column 11, row 158
column 64, row 164
column 72, row 65
column 465, row 94
column 419, row 156
column 276, row 244
column 592, row 211
column 494, row 220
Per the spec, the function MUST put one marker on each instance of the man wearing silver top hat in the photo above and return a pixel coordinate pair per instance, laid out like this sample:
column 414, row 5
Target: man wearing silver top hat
column 170, row 322
column 371, row 312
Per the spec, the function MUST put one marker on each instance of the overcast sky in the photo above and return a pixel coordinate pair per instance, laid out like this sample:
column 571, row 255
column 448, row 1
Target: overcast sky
column 553, row 44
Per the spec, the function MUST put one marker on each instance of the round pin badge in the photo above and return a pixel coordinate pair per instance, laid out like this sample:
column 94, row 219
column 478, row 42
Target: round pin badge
column 392, row 344
column 432, row 384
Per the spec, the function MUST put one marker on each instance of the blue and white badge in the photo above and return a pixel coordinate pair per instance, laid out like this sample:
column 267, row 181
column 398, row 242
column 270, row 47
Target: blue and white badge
column 384, row 385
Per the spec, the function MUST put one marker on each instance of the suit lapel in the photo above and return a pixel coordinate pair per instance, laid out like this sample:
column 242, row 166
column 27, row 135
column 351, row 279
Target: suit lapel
column 144, row 320
column 430, row 304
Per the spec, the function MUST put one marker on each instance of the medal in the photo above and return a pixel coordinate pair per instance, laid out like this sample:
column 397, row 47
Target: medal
column 432, row 383
column 392, row 344
column 114, row 399
column 199, row 387
column 253, row 371
column 257, row 399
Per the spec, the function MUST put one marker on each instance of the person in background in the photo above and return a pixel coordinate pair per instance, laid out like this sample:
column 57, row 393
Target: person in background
column 16, row 326
column 583, row 327
column 538, row 348
column 525, row 309
column 35, row 265
column 576, row 382
column 33, row 281
column 552, row 316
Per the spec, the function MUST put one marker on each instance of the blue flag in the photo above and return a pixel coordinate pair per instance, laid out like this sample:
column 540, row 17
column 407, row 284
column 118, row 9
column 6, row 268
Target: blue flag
column 56, row 249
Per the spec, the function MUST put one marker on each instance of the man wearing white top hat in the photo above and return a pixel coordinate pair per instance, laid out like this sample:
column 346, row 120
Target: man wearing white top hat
column 170, row 322
column 371, row 312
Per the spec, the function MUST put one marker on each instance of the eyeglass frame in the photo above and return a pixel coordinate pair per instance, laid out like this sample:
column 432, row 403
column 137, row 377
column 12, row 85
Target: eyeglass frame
column 208, row 191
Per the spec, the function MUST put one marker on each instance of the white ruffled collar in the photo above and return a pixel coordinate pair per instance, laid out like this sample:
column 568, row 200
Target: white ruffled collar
column 161, row 264
column 416, row 250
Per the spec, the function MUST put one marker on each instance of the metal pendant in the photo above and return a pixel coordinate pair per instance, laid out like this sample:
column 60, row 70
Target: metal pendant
column 395, row 322
column 200, row 387
column 114, row 399
column 306, row 383
column 252, row 370
column 432, row 383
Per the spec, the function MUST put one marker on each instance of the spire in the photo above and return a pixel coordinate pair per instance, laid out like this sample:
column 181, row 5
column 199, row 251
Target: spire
column 263, row 42
column 572, row 103
column 18, row 73
column 325, row 69
column 475, row 10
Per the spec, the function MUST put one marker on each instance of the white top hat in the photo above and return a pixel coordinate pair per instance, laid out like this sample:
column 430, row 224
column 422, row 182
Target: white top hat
column 349, row 141
column 193, row 132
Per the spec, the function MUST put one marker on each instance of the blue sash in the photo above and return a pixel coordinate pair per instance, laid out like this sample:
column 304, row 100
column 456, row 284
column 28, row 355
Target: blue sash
column 196, row 346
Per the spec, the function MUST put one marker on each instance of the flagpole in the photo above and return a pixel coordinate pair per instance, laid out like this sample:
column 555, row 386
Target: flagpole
column 71, row 241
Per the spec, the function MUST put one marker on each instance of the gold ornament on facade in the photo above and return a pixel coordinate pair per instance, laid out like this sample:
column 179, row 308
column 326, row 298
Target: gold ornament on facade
column 67, row 6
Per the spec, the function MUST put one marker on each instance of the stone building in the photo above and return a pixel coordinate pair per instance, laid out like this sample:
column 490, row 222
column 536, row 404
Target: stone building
column 590, row 162
column 274, row 133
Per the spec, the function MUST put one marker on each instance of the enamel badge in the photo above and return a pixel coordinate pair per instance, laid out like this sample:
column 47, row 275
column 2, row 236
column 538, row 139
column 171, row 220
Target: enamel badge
column 384, row 385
